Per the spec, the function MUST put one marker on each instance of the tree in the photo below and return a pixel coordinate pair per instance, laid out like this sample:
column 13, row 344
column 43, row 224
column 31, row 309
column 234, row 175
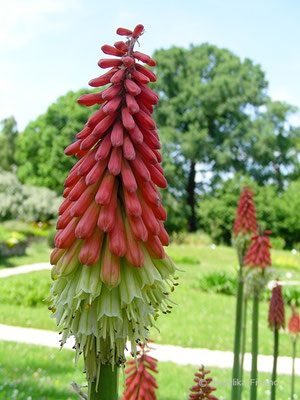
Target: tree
column 207, row 96
column 8, row 136
column 40, row 147
column 272, row 145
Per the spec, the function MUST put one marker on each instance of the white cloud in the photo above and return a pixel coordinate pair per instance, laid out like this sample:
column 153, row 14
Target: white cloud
column 22, row 20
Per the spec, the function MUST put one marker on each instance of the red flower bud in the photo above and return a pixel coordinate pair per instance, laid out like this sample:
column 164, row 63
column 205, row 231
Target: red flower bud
column 124, row 32
column 138, row 30
column 112, row 51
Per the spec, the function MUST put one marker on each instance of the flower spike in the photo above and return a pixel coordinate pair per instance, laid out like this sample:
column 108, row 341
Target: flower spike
column 276, row 310
column 109, row 260
column 202, row 389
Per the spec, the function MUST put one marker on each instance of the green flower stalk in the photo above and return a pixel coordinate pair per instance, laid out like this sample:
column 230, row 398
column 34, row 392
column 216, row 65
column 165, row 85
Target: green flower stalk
column 244, row 226
column 276, row 321
column 111, row 275
column 294, row 330
column 257, row 258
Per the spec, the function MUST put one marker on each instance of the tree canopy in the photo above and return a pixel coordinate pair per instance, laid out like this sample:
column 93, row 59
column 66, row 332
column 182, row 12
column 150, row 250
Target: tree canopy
column 207, row 95
column 40, row 148
column 8, row 136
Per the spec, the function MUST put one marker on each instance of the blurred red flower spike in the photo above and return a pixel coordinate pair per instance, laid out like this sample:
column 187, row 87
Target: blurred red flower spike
column 294, row 323
column 245, row 221
column 258, row 254
column 276, row 310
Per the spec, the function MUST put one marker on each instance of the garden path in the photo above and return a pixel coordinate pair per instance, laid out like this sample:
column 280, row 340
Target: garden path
column 24, row 269
column 176, row 354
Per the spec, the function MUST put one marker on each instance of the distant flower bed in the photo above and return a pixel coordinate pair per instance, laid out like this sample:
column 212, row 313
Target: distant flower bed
column 12, row 243
column 16, row 235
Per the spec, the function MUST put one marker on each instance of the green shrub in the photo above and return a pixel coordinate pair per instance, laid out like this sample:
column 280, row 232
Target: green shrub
column 291, row 295
column 8, row 236
column 278, row 243
column 11, row 196
column 217, row 282
column 225, row 283
column 25, row 290
column 196, row 239
column 39, row 204
column 25, row 202
column 28, row 229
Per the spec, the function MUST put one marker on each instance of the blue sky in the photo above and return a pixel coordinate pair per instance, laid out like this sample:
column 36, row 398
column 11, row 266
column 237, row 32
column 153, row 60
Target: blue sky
column 48, row 47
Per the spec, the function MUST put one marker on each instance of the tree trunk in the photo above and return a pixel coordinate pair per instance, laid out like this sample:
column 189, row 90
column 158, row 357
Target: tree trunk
column 191, row 186
column 278, row 177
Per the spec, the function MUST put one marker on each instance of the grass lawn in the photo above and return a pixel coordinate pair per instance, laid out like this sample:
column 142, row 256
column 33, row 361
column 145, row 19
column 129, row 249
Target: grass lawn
column 200, row 320
column 36, row 252
column 40, row 373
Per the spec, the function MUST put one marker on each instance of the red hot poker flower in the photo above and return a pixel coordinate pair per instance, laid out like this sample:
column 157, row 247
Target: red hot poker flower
column 140, row 382
column 245, row 221
column 276, row 310
column 202, row 389
column 258, row 254
column 111, row 274
column 294, row 323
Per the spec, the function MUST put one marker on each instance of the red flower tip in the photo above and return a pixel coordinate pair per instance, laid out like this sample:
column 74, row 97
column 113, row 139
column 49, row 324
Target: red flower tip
column 294, row 323
column 124, row 32
column 138, row 31
column 140, row 381
column 276, row 310
column 202, row 389
column 258, row 254
column 245, row 221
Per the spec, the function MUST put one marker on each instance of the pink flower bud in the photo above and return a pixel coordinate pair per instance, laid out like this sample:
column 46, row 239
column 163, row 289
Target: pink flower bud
column 88, row 222
column 103, row 79
column 114, row 165
column 132, row 87
column 109, row 62
column 91, row 249
column 110, row 267
column 112, row 51
column 104, row 193
column 132, row 104
column 128, row 149
column 127, row 119
column 128, row 178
